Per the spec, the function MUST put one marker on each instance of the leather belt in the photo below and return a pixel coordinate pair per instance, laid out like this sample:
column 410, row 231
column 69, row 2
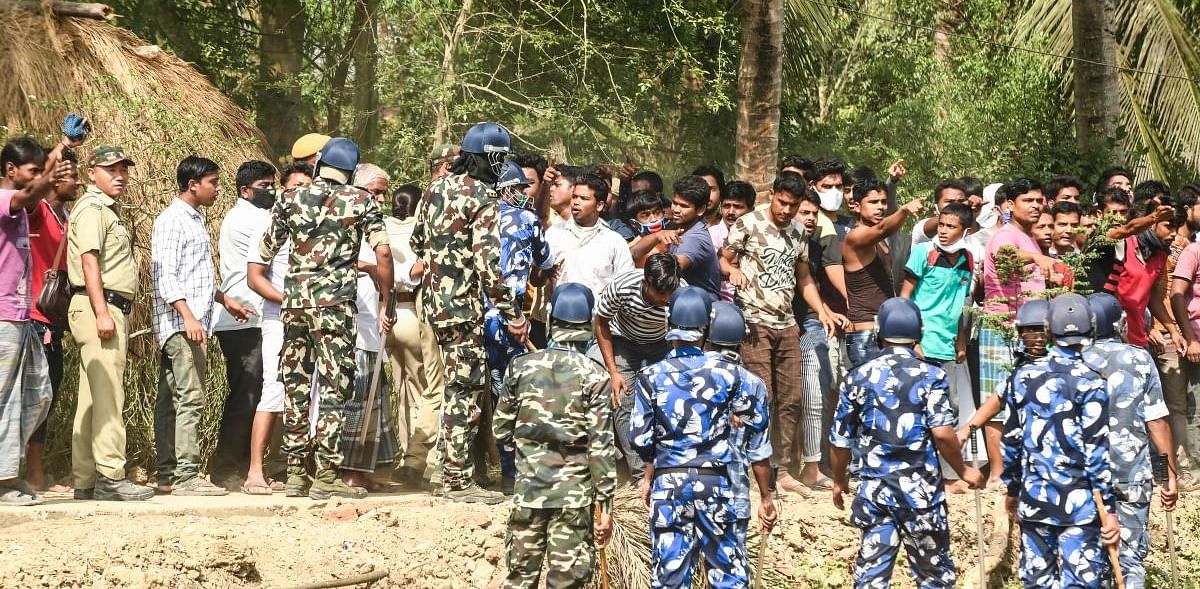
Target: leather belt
column 405, row 297
column 718, row 470
column 113, row 298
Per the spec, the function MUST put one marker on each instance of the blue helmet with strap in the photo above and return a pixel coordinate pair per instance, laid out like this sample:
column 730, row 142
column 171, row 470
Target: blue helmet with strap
column 572, row 302
column 1108, row 313
column 727, row 327
column 1070, row 319
column 1033, row 313
column 689, row 308
column 899, row 321
column 340, row 153
column 512, row 183
column 487, row 138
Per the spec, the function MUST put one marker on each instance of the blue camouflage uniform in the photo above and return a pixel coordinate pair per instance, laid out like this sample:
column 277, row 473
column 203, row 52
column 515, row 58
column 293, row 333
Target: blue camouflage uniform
column 1135, row 398
column 522, row 247
column 749, row 446
column 1055, row 454
column 680, row 424
column 887, row 409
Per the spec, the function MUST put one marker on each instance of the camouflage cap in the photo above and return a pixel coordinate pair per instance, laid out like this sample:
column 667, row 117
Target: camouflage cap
column 441, row 153
column 561, row 331
column 107, row 155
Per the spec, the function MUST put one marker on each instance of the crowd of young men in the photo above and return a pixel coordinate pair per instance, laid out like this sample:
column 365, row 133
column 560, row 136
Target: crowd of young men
column 689, row 339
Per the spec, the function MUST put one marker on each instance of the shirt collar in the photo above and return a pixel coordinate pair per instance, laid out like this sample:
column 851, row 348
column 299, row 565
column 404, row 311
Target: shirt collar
column 1064, row 352
column 685, row 351
column 189, row 209
column 99, row 195
column 901, row 350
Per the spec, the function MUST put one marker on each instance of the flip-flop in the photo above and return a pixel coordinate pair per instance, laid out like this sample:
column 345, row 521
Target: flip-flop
column 278, row 486
column 250, row 489
column 822, row 484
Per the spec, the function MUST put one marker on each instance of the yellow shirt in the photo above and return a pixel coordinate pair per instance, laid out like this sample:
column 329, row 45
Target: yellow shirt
column 95, row 226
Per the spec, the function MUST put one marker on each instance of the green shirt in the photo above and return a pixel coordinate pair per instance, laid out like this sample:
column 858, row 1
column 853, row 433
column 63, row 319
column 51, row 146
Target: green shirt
column 941, row 293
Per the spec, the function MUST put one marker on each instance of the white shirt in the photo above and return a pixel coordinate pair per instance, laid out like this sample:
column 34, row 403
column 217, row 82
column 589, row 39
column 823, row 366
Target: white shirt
column 181, row 266
column 590, row 256
column 918, row 233
column 399, row 237
column 276, row 271
column 367, row 319
column 241, row 225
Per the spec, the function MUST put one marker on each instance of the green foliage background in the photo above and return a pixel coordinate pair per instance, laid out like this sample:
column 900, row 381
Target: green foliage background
column 592, row 80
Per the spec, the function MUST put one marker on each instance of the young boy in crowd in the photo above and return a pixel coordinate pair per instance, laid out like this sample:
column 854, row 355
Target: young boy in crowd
column 554, row 409
column 694, row 248
column 892, row 412
column 645, row 226
column 737, row 200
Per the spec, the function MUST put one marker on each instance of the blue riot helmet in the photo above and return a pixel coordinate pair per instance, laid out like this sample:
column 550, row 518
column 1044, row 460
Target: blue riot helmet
column 490, row 140
column 689, row 310
column 727, row 326
column 339, row 153
column 1070, row 319
column 1031, row 321
column 1033, row 313
column 571, row 313
column 512, row 183
column 572, row 302
column 898, row 321
column 1108, row 313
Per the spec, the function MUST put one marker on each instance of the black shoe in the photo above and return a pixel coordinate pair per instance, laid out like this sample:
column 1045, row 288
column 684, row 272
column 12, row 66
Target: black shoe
column 110, row 490
column 85, row 494
column 507, row 484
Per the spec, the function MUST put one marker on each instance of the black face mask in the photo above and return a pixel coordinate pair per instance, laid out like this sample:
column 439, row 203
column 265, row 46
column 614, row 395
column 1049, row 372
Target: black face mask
column 263, row 198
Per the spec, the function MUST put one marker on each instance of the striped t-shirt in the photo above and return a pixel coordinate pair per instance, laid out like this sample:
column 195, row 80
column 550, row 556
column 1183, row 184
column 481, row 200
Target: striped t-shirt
column 630, row 316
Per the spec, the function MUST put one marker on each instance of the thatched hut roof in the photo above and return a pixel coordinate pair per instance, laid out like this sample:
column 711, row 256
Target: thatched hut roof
column 156, row 105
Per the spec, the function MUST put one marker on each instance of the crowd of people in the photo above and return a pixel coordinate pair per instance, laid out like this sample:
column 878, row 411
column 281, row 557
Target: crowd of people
column 583, row 325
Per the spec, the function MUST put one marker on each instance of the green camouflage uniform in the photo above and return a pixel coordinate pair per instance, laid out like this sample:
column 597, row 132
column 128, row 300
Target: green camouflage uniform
column 457, row 236
column 326, row 224
column 554, row 407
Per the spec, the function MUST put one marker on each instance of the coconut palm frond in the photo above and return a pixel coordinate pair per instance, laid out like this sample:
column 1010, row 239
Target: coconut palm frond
column 1153, row 37
column 808, row 35
column 1046, row 24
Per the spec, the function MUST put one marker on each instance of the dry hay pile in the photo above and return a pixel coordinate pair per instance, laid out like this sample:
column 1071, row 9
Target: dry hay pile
column 628, row 553
column 161, row 109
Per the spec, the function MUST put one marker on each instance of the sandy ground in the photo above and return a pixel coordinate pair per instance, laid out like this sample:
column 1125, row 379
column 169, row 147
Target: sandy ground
column 423, row 542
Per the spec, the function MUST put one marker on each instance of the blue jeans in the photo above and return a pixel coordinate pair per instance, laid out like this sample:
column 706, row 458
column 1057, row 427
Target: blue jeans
column 861, row 346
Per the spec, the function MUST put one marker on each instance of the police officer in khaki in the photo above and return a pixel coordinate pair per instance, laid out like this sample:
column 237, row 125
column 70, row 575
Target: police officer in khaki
column 103, row 277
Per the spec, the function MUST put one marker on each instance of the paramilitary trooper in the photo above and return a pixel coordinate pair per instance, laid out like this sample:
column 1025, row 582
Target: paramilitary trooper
column 892, row 411
column 1055, row 456
column 751, row 449
column 457, row 237
column 1030, row 324
column 524, row 256
column 1136, row 416
column 326, row 223
column 680, row 426
column 554, row 408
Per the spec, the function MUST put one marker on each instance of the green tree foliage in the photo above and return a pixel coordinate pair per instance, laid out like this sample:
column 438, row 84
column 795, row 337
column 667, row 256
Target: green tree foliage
column 590, row 81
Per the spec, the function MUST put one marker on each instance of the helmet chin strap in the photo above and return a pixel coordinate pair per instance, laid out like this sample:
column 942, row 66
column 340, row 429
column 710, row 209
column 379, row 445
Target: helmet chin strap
column 334, row 175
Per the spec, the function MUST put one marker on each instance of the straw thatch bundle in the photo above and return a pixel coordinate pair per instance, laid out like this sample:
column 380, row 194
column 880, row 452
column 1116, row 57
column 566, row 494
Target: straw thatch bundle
column 157, row 106
column 629, row 551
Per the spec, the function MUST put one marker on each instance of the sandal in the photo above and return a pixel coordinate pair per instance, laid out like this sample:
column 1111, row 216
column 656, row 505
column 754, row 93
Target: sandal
column 256, row 489
column 822, row 484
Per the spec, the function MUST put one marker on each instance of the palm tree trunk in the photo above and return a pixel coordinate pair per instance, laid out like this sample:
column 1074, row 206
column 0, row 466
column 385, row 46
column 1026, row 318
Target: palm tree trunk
column 366, row 95
column 279, row 109
column 441, row 109
column 760, row 86
column 1097, row 106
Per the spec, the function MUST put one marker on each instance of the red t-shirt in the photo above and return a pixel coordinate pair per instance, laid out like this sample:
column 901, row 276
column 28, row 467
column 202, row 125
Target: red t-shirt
column 1131, row 280
column 45, row 234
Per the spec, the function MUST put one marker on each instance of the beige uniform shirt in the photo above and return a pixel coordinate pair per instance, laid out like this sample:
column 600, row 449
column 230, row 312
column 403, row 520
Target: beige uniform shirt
column 95, row 226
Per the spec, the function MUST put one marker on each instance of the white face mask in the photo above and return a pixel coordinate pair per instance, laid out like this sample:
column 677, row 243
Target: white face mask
column 954, row 247
column 831, row 199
